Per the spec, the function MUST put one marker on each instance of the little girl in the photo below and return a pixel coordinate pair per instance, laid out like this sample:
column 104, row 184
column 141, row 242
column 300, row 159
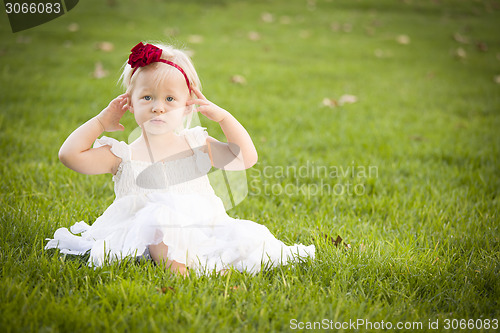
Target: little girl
column 165, row 208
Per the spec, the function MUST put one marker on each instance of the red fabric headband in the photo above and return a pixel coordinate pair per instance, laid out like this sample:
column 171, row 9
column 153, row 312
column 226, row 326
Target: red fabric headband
column 143, row 55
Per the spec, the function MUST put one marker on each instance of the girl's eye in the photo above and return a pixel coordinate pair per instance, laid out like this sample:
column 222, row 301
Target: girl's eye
column 170, row 99
column 147, row 98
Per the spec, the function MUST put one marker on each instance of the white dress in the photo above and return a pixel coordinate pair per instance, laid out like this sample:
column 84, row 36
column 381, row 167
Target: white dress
column 173, row 202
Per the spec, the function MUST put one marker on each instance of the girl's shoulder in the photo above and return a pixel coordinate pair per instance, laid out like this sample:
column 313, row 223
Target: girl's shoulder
column 119, row 148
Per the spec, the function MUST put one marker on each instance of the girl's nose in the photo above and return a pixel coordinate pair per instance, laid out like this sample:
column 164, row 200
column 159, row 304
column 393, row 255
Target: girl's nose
column 158, row 108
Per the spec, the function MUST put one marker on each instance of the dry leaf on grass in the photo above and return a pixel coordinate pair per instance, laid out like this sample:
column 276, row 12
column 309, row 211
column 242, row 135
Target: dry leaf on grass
column 460, row 53
column 344, row 99
column 403, row 39
column 285, row 20
column 460, row 38
column 311, row 5
column 329, row 102
column 304, row 34
column 238, row 79
column 254, row 35
column 195, row 39
column 99, row 71
column 370, row 31
column 347, row 99
column 345, row 27
column 481, row 46
column 164, row 290
column 105, row 46
column 267, row 17
column 336, row 242
column 417, row 138
column 73, row 27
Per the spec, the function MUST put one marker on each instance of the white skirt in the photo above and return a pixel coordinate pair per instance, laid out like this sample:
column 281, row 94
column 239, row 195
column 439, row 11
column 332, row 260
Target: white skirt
column 196, row 229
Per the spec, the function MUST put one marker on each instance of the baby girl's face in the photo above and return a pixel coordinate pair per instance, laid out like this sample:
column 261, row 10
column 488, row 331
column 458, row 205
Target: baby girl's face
column 159, row 108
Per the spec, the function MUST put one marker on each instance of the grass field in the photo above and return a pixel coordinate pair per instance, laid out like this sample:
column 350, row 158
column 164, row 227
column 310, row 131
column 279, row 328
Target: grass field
column 423, row 225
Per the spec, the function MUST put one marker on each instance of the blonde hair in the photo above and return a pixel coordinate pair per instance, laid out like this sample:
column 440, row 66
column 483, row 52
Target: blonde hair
column 169, row 53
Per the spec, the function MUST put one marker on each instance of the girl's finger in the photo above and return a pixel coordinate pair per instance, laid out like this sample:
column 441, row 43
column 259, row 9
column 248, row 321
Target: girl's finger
column 198, row 93
column 202, row 109
column 197, row 101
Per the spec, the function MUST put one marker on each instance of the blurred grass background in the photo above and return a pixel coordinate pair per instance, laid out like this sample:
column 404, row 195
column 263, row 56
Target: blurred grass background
column 425, row 76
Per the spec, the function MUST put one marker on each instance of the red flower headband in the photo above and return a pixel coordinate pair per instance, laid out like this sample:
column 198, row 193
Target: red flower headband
column 143, row 55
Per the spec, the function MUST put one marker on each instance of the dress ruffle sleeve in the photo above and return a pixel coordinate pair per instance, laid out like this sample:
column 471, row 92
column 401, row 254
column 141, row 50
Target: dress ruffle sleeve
column 196, row 136
column 118, row 148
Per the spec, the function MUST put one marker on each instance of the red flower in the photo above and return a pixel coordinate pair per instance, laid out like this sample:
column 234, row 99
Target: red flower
column 142, row 55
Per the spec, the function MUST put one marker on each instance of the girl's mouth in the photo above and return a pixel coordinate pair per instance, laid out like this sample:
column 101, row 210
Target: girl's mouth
column 157, row 121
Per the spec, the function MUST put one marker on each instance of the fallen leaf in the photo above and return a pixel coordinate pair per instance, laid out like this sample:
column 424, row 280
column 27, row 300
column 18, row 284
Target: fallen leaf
column 403, row 39
column 329, row 102
column 304, row 34
column 285, row 20
column 99, row 71
column 238, row 79
column 311, row 5
column 461, row 38
column 164, row 290
column 347, row 99
column 382, row 53
column 497, row 79
column 105, row 46
column 370, row 31
column 253, row 35
column 417, row 138
column 481, row 46
column 267, row 17
column 73, row 27
column 379, row 53
column 460, row 53
column 338, row 241
column 195, row 39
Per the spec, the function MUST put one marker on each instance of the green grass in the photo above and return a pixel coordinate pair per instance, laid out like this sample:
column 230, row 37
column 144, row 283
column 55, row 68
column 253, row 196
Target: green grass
column 424, row 234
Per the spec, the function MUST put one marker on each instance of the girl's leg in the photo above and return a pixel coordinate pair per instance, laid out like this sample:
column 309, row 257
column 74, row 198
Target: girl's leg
column 159, row 254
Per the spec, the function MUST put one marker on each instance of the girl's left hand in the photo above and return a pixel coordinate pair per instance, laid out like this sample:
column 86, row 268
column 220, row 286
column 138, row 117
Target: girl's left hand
column 207, row 108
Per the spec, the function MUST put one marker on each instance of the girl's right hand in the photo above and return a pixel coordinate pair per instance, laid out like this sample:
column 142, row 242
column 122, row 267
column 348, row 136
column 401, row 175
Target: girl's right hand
column 111, row 115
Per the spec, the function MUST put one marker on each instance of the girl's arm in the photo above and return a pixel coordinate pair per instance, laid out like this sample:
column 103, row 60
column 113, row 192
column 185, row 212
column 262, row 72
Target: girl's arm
column 77, row 153
column 239, row 152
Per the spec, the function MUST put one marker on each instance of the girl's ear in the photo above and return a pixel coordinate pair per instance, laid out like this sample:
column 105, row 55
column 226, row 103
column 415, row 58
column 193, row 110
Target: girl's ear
column 188, row 110
column 129, row 102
